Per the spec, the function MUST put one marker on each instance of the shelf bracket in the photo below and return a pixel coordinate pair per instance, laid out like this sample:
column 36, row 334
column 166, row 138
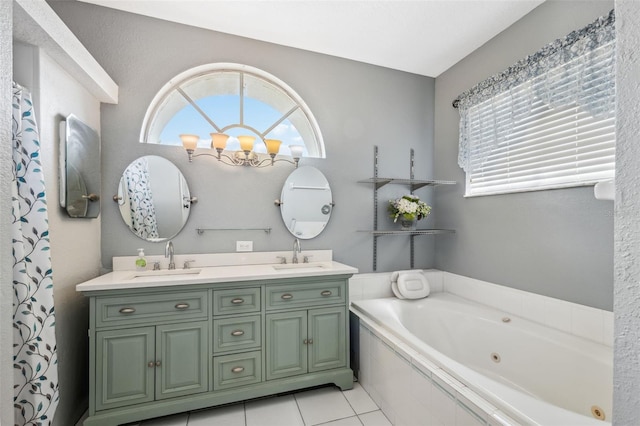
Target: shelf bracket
column 375, row 207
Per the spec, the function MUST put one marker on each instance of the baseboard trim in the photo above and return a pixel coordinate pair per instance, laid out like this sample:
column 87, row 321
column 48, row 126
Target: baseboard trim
column 82, row 419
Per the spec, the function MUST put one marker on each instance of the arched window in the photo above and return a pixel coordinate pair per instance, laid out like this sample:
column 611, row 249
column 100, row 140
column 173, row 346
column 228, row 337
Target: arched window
column 233, row 99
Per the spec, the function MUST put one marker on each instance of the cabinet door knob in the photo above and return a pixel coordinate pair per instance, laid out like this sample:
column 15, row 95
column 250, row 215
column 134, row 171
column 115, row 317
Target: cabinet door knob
column 237, row 369
column 287, row 296
column 151, row 364
column 127, row 310
column 158, row 363
column 305, row 342
column 310, row 341
column 237, row 301
column 237, row 333
column 325, row 293
column 182, row 306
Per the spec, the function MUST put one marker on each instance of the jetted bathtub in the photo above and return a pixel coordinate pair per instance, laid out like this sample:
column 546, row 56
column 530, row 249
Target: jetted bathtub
column 535, row 374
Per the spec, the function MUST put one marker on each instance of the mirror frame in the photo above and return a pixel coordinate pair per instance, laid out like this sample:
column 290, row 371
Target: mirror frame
column 315, row 184
column 80, row 171
column 184, row 198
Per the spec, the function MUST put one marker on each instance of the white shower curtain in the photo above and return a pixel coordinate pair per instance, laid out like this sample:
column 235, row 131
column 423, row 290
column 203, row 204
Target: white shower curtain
column 34, row 342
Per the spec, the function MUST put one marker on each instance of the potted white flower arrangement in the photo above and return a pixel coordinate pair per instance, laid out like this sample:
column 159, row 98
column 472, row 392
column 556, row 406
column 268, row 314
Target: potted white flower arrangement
column 408, row 209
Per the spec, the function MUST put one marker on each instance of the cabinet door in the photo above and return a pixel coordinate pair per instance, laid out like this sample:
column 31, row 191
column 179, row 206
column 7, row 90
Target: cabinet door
column 286, row 351
column 124, row 367
column 181, row 359
column 327, row 336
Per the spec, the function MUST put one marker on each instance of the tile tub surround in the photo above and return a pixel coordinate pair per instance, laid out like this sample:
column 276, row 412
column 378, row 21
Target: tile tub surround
column 579, row 320
column 413, row 391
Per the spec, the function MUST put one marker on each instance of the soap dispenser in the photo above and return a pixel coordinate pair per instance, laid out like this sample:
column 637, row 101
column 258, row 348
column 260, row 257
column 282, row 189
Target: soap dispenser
column 141, row 262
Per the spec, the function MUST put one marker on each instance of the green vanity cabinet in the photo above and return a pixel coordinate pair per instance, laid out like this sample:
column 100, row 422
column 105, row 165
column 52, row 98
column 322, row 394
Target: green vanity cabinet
column 160, row 350
column 305, row 341
column 150, row 363
column 125, row 367
column 286, row 344
column 182, row 361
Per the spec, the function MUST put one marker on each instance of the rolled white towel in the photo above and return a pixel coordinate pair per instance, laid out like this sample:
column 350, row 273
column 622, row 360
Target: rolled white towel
column 411, row 284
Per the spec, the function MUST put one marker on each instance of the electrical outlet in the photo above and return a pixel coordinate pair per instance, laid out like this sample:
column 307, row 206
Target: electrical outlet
column 244, row 245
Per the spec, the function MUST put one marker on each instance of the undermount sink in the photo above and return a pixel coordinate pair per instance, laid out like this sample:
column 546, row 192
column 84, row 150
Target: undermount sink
column 165, row 273
column 300, row 267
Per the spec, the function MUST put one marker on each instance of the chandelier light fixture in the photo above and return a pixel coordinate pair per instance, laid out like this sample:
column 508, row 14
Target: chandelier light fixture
column 246, row 156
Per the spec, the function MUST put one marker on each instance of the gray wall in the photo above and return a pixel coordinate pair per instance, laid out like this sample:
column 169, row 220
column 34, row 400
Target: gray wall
column 6, row 260
column 556, row 243
column 626, row 391
column 356, row 105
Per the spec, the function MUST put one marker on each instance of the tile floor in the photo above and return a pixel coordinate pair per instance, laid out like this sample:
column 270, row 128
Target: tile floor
column 327, row 406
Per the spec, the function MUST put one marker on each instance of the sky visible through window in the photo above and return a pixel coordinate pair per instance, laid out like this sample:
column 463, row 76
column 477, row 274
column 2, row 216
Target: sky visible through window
column 224, row 110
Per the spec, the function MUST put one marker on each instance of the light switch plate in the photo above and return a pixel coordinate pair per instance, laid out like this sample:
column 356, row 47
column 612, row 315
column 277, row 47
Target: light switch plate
column 244, row 245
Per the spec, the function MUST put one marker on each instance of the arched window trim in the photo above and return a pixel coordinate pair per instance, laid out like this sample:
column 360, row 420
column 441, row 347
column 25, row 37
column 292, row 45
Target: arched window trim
column 201, row 70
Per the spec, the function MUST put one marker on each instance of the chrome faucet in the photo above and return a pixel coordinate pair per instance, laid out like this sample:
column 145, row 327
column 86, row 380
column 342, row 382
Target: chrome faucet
column 168, row 252
column 296, row 250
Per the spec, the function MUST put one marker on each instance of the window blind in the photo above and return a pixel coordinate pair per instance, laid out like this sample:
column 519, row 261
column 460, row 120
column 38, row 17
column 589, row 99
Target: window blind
column 554, row 130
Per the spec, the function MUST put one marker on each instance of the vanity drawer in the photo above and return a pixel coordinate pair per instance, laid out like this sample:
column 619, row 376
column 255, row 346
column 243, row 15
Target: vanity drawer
column 230, row 371
column 151, row 308
column 237, row 333
column 236, row 301
column 307, row 294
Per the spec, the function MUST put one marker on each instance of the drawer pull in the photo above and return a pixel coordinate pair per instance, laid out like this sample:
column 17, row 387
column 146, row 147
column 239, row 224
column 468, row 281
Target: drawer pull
column 325, row 293
column 237, row 333
column 127, row 310
column 287, row 296
column 237, row 369
column 151, row 364
column 237, row 301
column 182, row 306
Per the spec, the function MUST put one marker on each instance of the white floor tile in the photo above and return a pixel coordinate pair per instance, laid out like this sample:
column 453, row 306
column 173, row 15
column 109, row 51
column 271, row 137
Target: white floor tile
column 349, row 421
column 375, row 418
column 359, row 399
column 175, row 420
column 231, row 415
column 276, row 411
column 323, row 405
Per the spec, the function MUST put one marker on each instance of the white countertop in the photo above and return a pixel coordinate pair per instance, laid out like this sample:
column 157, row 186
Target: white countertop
column 205, row 274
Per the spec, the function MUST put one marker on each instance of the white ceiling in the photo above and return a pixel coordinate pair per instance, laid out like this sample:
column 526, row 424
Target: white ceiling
column 419, row 36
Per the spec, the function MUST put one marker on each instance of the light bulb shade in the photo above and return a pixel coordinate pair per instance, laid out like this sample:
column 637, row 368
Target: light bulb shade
column 246, row 142
column 219, row 140
column 190, row 141
column 273, row 145
column 296, row 150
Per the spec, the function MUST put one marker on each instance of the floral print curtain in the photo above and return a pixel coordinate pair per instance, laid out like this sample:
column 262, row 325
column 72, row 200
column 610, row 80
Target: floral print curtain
column 143, row 212
column 34, row 341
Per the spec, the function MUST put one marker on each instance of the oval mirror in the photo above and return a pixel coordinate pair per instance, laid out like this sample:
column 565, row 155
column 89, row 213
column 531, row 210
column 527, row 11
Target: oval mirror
column 306, row 202
column 153, row 198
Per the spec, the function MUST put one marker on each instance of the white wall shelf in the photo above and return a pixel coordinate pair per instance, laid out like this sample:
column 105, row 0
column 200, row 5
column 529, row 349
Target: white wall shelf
column 35, row 23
